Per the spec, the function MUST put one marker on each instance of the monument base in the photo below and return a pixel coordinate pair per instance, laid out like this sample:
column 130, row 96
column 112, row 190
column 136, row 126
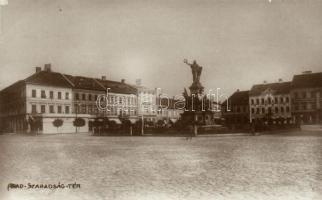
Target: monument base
column 198, row 117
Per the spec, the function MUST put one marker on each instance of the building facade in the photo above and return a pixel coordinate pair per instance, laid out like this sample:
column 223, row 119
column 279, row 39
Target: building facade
column 169, row 110
column 33, row 104
column 235, row 110
column 39, row 100
column 13, row 108
column 122, row 102
column 306, row 94
column 146, row 102
column 270, row 103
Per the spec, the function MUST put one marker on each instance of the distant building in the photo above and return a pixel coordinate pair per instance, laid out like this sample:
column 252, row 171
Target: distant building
column 146, row 102
column 235, row 110
column 85, row 93
column 270, row 103
column 169, row 110
column 306, row 94
column 122, row 100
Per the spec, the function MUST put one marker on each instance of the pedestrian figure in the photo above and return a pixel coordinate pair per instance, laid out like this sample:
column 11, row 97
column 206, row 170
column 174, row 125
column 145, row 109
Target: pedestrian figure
column 189, row 137
column 253, row 128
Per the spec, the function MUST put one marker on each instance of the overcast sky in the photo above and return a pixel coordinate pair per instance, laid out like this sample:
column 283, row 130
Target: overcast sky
column 238, row 43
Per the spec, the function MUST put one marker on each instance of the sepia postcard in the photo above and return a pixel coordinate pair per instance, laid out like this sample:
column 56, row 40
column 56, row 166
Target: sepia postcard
column 160, row 99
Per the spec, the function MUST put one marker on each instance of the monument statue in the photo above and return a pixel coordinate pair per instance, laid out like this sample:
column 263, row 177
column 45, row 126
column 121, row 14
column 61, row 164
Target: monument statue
column 195, row 69
column 196, row 87
column 197, row 105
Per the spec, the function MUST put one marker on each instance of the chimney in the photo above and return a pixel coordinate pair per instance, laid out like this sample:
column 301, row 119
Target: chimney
column 47, row 67
column 138, row 82
column 264, row 82
column 123, row 81
column 237, row 90
column 280, row 80
column 103, row 78
column 307, row 72
column 38, row 69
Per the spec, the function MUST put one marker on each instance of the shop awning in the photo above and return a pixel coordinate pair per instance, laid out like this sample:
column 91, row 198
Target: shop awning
column 133, row 121
column 116, row 120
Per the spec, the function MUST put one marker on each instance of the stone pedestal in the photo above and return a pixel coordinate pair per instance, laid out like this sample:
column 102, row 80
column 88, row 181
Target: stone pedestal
column 197, row 111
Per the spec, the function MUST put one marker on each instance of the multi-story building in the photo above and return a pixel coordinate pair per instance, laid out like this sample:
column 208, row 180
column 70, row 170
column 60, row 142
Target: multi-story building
column 85, row 93
column 270, row 103
column 33, row 104
column 235, row 110
column 306, row 94
column 13, row 108
column 169, row 110
column 122, row 100
column 147, row 108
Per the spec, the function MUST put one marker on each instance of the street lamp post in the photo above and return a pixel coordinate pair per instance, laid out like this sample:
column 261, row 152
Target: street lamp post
column 142, row 130
column 76, row 112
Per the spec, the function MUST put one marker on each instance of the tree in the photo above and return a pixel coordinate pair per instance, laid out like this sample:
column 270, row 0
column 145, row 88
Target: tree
column 79, row 122
column 58, row 123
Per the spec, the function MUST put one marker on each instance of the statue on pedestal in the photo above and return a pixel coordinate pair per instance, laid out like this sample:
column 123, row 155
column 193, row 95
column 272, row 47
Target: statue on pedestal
column 195, row 69
column 197, row 106
column 196, row 87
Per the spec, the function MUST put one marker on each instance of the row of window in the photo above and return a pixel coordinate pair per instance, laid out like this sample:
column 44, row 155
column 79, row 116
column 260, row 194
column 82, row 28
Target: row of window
column 269, row 110
column 170, row 113
column 238, row 109
column 43, row 94
column 92, row 109
column 304, row 106
column 305, row 94
column 269, row 100
column 85, row 97
column 146, row 98
column 52, row 109
column 130, row 100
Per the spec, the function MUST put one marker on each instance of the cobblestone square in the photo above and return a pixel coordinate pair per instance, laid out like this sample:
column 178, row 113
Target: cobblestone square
column 225, row 167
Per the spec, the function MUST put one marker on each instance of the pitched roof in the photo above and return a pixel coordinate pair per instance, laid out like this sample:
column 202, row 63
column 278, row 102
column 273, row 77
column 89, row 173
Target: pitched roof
column 49, row 79
column 13, row 88
column 278, row 88
column 307, row 80
column 238, row 98
column 86, row 83
column 118, row 87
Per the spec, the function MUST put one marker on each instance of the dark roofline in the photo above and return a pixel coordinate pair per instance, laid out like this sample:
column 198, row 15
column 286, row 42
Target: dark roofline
column 310, row 80
column 280, row 87
column 270, row 84
column 65, row 84
column 17, row 83
column 69, row 82
column 237, row 94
